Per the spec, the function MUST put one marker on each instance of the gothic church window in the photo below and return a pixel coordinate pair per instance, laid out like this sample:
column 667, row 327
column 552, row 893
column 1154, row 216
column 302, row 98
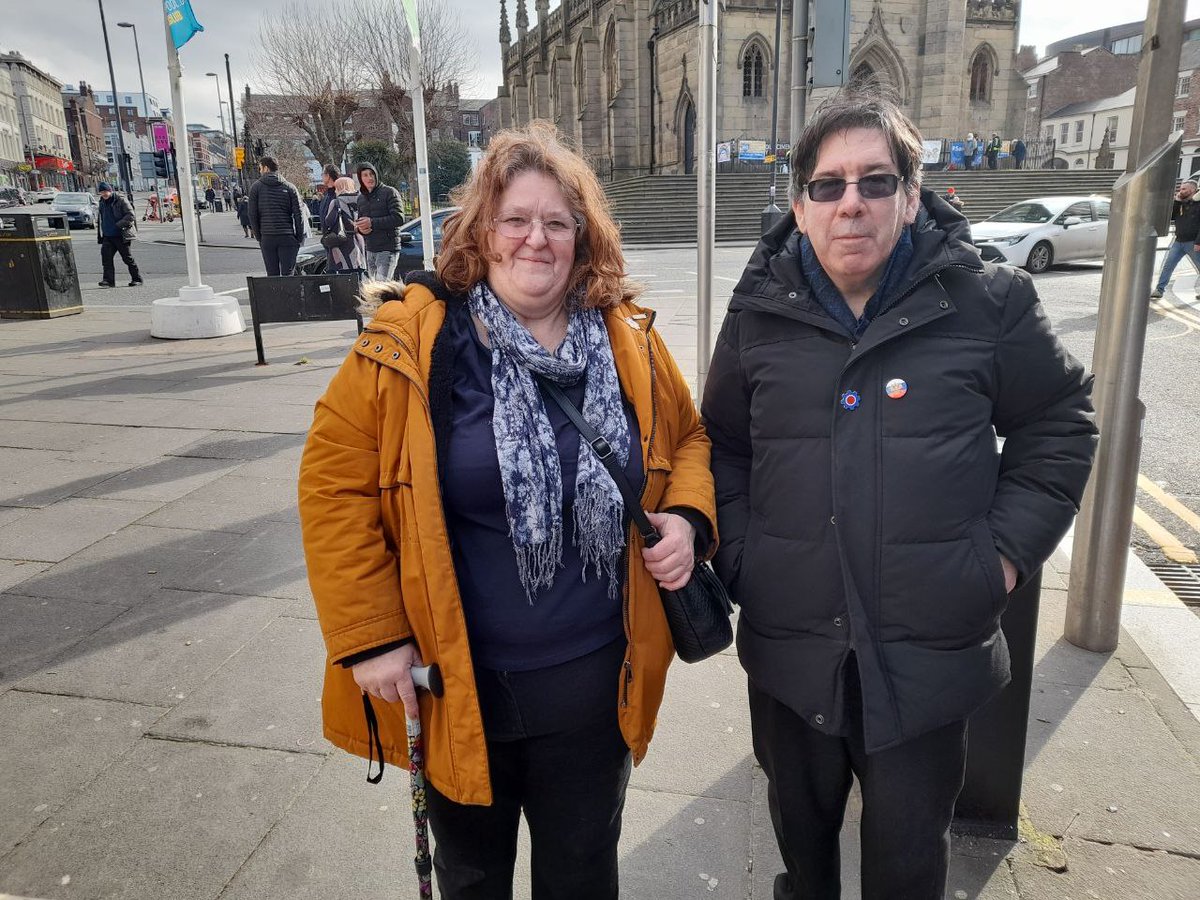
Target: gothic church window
column 982, row 74
column 612, row 81
column 752, row 72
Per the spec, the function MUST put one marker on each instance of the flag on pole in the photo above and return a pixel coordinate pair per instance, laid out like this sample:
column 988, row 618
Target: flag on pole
column 414, row 29
column 181, row 21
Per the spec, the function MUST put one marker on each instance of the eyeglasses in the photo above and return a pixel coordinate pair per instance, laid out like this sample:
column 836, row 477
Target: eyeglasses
column 519, row 227
column 870, row 187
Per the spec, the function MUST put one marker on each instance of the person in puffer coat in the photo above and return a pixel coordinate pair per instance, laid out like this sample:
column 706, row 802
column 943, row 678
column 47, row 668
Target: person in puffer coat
column 276, row 218
column 871, row 529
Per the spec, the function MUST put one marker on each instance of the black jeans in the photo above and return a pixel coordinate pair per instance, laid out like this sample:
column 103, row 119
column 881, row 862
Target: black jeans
column 109, row 247
column 279, row 253
column 908, row 795
column 570, row 783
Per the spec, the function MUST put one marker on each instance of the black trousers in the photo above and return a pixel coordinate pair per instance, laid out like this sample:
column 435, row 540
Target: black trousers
column 109, row 247
column 279, row 253
column 908, row 795
column 556, row 754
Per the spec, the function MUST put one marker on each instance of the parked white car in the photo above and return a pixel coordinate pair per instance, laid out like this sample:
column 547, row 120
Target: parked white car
column 1038, row 233
column 46, row 195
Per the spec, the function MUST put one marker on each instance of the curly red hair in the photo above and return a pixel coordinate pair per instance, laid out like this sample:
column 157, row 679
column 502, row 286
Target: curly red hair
column 465, row 256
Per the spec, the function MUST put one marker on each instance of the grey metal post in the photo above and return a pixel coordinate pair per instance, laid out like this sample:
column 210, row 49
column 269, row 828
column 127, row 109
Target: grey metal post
column 1139, row 214
column 773, row 213
column 799, row 69
column 123, row 161
column 706, row 188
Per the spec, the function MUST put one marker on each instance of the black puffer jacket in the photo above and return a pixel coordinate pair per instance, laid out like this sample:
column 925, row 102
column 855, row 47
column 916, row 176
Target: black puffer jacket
column 275, row 208
column 382, row 206
column 878, row 528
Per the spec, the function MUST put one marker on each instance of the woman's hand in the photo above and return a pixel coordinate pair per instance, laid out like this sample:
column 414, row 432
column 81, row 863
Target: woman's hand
column 672, row 559
column 387, row 677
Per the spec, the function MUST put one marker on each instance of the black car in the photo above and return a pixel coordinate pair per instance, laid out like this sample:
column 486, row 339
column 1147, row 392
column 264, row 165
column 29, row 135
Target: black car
column 312, row 259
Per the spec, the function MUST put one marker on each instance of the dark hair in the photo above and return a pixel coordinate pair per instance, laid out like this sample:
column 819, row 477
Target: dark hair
column 270, row 163
column 867, row 103
column 332, row 171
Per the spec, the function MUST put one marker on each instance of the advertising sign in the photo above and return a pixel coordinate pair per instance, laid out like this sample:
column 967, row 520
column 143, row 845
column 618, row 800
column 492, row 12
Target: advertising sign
column 162, row 140
column 931, row 152
column 958, row 154
column 723, row 149
column 752, row 151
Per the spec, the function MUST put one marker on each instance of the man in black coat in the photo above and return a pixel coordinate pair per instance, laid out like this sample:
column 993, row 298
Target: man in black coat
column 276, row 218
column 115, row 233
column 871, row 530
column 380, row 216
column 1185, row 216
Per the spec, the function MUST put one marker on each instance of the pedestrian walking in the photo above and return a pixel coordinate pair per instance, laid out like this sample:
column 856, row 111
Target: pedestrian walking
column 970, row 149
column 992, row 151
column 243, row 214
column 276, row 218
column 870, row 529
column 1185, row 216
column 380, row 216
column 227, row 197
column 210, row 198
column 524, row 584
column 329, row 177
column 344, row 246
column 118, row 227
column 1018, row 152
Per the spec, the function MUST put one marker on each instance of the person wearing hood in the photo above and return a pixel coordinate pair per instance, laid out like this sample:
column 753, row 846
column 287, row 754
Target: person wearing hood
column 380, row 216
column 871, row 531
column 276, row 218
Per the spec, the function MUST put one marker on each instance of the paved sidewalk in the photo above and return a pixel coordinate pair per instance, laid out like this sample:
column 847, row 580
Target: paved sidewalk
column 160, row 670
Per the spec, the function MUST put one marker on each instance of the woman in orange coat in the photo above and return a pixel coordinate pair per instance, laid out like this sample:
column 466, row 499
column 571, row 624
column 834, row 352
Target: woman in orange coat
column 451, row 514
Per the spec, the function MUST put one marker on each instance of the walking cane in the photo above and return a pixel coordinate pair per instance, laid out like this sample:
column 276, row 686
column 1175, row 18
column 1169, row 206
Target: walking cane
column 429, row 678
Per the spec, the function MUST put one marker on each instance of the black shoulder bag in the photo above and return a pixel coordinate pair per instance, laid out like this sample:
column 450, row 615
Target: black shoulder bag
column 698, row 613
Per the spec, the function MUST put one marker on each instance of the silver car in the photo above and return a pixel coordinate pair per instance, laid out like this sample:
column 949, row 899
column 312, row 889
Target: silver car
column 1038, row 233
column 81, row 209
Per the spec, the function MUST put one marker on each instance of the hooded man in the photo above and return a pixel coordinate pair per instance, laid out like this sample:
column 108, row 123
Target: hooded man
column 380, row 216
column 276, row 218
column 118, row 226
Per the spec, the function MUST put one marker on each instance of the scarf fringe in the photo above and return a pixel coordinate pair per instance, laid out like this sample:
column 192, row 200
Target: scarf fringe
column 600, row 524
column 538, row 563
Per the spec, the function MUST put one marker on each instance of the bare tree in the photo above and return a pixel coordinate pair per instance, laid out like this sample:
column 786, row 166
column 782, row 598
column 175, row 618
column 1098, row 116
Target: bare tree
column 380, row 32
column 313, row 74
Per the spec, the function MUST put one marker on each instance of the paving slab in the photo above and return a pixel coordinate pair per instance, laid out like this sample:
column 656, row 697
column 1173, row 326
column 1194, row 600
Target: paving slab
column 705, row 720
column 35, row 631
column 232, row 503
column 268, row 561
column 165, row 479
column 267, row 694
column 158, row 652
column 38, row 478
column 52, row 748
column 14, row 571
column 1103, row 872
column 1170, row 637
column 55, row 532
column 239, row 445
column 132, row 446
column 169, row 819
column 129, row 566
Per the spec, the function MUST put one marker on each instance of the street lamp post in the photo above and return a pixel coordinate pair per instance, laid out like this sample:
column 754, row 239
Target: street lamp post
column 220, row 112
column 145, row 102
column 123, row 159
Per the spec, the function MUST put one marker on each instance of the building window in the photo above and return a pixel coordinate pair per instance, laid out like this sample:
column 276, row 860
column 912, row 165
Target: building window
column 1033, row 90
column 1049, row 133
column 752, row 72
column 981, row 76
column 1177, row 123
column 1127, row 45
column 1111, row 128
column 1079, row 131
column 1184, row 86
column 1064, row 132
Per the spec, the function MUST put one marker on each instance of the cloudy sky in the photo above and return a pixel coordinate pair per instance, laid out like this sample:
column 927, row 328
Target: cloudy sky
column 65, row 40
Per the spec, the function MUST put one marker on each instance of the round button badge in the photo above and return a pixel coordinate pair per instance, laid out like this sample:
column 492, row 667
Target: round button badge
column 896, row 388
column 850, row 400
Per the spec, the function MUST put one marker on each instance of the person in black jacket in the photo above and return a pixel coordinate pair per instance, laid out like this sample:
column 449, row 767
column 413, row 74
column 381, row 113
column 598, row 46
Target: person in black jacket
column 116, row 231
column 380, row 216
column 276, row 218
column 870, row 529
column 1185, row 215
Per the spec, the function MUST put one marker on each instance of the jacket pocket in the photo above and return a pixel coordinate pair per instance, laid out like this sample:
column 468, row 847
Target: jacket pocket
column 989, row 561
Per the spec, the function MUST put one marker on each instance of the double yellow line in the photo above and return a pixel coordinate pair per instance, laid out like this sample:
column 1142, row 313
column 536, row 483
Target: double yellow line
column 1172, row 548
column 1177, row 312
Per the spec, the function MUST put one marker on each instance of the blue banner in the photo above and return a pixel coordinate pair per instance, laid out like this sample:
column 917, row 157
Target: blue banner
column 958, row 154
column 181, row 20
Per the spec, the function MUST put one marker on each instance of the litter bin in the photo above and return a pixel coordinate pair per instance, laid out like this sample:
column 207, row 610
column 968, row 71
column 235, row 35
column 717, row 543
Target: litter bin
column 39, row 279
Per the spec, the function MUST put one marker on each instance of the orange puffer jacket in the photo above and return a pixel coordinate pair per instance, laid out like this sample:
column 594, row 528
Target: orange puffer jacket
column 376, row 543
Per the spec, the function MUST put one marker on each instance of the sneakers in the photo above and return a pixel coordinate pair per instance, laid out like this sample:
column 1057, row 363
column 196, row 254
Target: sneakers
column 1156, row 294
column 136, row 282
column 106, row 284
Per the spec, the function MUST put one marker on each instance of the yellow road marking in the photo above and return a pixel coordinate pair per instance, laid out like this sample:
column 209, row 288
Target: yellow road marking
column 1181, row 308
column 1169, row 502
column 1174, row 314
column 1171, row 547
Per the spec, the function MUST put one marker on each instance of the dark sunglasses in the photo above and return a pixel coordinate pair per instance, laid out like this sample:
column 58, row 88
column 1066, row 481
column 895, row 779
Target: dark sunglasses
column 870, row 187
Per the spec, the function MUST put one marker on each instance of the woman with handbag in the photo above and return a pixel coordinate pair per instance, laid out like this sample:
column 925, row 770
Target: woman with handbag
column 344, row 247
column 453, row 514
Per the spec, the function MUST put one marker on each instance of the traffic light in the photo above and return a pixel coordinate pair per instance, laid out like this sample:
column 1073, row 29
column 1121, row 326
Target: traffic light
column 161, row 168
column 239, row 157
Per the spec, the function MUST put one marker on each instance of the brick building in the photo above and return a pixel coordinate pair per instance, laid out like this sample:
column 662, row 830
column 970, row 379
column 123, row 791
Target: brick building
column 43, row 126
column 85, row 132
column 1187, row 108
column 1075, row 76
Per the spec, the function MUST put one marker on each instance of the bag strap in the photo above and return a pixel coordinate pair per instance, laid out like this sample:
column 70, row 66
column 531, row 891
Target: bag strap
column 604, row 452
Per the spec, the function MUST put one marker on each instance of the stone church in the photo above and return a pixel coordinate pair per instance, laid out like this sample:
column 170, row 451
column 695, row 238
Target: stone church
column 621, row 76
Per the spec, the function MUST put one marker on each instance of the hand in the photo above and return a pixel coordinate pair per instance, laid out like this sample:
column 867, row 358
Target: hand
column 1010, row 574
column 387, row 677
column 363, row 226
column 672, row 559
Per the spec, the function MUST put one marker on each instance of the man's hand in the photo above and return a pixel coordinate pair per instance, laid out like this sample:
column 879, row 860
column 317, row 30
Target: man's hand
column 363, row 225
column 1010, row 574
column 672, row 559
column 387, row 677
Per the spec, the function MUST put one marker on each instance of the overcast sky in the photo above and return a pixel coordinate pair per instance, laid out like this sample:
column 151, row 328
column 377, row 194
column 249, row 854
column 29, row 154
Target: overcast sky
column 63, row 37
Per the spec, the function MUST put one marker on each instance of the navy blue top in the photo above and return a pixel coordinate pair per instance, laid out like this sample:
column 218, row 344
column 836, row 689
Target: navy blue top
column 572, row 617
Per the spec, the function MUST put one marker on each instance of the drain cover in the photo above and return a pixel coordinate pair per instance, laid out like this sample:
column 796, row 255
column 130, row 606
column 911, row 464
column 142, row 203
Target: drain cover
column 1183, row 580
